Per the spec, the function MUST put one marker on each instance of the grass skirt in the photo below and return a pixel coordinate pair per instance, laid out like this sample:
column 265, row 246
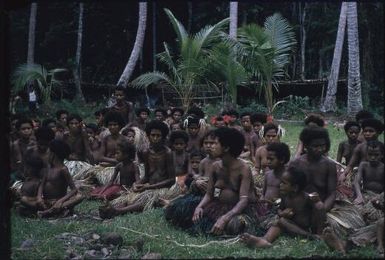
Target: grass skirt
column 148, row 198
column 344, row 218
column 365, row 235
column 370, row 213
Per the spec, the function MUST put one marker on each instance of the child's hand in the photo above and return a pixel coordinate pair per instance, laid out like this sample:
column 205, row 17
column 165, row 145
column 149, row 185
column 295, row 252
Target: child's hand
column 287, row 213
column 198, row 213
column 219, row 226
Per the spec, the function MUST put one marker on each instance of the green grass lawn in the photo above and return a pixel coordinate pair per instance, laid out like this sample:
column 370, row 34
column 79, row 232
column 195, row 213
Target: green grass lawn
column 47, row 246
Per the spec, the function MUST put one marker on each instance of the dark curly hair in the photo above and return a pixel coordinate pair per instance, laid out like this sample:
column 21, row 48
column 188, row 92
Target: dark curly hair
column 269, row 126
column 127, row 149
column 60, row 148
column 159, row 125
column 311, row 133
column 363, row 114
column 21, row 121
column 231, row 138
column 74, row 116
column 142, row 109
column 196, row 111
column 281, row 150
column 258, row 117
column 44, row 133
column 350, row 124
column 113, row 116
column 375, row 123
column 178, row 134
column 297, row 177
column 316, row 119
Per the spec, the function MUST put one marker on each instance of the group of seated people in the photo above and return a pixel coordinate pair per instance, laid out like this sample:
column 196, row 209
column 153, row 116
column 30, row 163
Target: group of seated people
column 218, row 178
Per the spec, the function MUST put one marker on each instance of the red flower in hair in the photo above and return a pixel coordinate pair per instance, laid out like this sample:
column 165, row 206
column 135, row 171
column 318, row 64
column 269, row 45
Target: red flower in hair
column 226, row 118
column 213, row 120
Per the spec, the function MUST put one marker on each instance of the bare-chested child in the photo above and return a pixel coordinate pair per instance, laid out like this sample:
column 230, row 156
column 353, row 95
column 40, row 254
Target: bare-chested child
column 33, row 167
column 371, row 129
column 296, row 212
column 310, row 120
column 77, row 140
column 142, row 118
column 178, row 141
column 370, row 172
column 195, row 134
column 257, row 121
column 26, row 139
column 126, row 168
column 278, row 154
column 345, row 148
column 93, row 138
column 44, row 135
column 52, row 194
column 159, row 172
column 106, row 155
column 230, row 190
column 125, row 108
column 271, row 134
column 248, row 133
column 361, row 116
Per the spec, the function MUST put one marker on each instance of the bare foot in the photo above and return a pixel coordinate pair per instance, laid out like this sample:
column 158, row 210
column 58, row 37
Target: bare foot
column 332, row 241
column 253, row 241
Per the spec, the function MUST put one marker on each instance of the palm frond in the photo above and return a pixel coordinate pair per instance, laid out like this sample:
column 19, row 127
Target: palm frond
column 149, row 78
column 178, row 27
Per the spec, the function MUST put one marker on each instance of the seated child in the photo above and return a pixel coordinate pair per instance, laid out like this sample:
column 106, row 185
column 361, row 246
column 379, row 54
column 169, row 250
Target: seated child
column 52, row 194
column 371, row 129
column 178, row 141
column 114, row 122
column 360, row 117
column 257, row 121
column 296, row 214
column 248, row 133
column 370, row 177
column 345, row 148
column 278, row 154
column 158, row 178
column 271, row 134
column 33, row 167
column 93, row 138
column 195, row 133
column 126, row 168
column 77, row 140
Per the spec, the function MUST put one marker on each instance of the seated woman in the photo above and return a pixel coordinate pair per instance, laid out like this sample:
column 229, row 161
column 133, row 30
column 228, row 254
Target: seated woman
column 126, row 168
column 229, row 205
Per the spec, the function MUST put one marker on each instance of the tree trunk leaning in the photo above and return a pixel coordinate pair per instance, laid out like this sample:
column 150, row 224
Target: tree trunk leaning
column 127, row 73
column 77, row 69
column 31, row 34
column 330, row 99
column 354, row 80
column 233, row 19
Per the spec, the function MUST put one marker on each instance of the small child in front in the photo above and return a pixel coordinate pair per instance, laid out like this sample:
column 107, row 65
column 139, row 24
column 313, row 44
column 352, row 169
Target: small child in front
column 126, row 168
column 52, row 194
column 295, row 212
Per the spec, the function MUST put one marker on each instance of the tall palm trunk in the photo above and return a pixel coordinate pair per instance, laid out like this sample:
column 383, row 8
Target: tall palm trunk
column 77, row 70
column 154, row 36
column 354, row 81
column 330, row 99
column 190, row 16
column 302, row 17
column 31, row 34
column 233, row 19
column 126, row 75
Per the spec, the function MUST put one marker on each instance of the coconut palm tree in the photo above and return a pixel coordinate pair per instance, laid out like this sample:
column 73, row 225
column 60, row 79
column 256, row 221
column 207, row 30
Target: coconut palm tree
column 46, row 80
column 330, row 99
column 233, row 19
column 354, row 80
column 126, row 75
column 77, row 70
column 189, row 64
column 265, row 53
column 31, row 34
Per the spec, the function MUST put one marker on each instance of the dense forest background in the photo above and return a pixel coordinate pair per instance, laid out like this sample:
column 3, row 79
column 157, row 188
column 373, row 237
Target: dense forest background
column 110, row 29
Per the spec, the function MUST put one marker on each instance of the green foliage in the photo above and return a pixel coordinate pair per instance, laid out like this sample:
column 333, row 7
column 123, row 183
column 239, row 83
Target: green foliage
column 46, row 81
column 189, row 65
column 265, row 53
column 293, row 108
